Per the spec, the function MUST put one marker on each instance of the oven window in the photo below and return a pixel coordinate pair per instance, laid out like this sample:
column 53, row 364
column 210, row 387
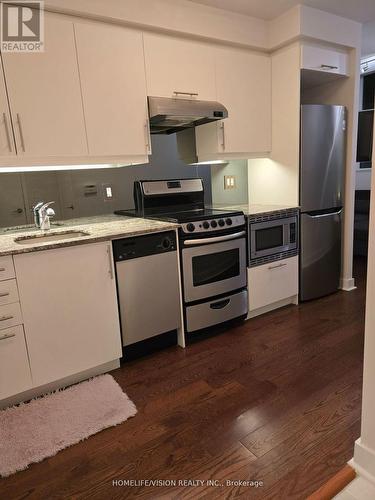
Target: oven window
column 216, row 267
column 270, row 237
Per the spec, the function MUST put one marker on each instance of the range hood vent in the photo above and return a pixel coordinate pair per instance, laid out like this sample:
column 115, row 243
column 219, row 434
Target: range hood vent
column 170, row 115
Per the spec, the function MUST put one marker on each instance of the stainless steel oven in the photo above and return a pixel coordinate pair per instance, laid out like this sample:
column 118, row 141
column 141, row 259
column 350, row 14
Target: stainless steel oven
column 214, row 265
column 274, row 234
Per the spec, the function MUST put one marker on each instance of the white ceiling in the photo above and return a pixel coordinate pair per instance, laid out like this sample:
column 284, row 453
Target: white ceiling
column 358, row 10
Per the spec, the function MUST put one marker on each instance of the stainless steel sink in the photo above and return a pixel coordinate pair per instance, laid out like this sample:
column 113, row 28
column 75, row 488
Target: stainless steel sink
column 44, row 238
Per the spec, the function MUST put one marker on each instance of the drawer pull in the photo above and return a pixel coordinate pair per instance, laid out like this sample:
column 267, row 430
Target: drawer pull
column 5, row 318
column 277, row 267
column 220, row 305
column 7, row 336
column 191, row 94
column 328, row 66
column 2, row 269
column 4, row 294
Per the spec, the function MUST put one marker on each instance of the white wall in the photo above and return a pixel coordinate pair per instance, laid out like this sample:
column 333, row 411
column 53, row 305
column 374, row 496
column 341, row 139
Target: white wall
column 276, row 180
column 364, row 453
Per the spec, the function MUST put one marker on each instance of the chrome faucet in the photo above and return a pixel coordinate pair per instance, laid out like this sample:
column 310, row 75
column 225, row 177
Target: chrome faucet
column 45, row 213
column 36, row 213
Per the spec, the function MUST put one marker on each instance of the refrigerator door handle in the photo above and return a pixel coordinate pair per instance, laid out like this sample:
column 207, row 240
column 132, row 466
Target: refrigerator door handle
column 319, row 216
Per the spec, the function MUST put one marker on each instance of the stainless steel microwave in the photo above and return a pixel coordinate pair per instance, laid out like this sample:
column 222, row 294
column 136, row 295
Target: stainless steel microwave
column 273, row 236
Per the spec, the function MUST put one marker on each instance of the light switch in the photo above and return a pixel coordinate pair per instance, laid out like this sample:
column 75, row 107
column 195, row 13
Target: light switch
column 229, row 182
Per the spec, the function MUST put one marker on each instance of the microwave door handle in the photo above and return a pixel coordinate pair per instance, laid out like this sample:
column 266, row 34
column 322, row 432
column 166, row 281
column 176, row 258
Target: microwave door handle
column 217, row 239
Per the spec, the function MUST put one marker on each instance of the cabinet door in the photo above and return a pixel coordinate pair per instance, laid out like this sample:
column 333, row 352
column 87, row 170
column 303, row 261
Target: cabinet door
column 69, row 304
column 324, row 59
column 272, row 282
column 7, row 145
column 176, row 67
column 243, row 81
column 111, row 66
column 45, row 95
column 15, row 374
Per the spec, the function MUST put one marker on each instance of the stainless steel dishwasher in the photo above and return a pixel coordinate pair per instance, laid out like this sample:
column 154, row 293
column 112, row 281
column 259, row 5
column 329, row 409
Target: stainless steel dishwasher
column 148, row 290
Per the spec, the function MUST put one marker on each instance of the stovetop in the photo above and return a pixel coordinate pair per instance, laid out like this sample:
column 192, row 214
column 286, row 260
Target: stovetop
column 182, row 217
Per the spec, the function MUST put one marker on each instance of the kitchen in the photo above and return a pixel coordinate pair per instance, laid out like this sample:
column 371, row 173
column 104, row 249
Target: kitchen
column 163, row 219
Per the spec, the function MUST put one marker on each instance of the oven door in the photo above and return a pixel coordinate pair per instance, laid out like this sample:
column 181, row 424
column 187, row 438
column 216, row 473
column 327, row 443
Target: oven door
column 214, row 266
column 271, row 237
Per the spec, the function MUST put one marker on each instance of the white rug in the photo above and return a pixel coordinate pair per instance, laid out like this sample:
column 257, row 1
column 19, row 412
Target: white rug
column 39, row 429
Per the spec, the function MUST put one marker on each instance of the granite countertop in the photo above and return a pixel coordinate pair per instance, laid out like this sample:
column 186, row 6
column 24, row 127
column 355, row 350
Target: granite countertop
column 99, row 228
column 253, row 209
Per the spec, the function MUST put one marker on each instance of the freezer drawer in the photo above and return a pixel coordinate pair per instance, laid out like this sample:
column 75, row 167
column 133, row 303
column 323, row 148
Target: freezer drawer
column 320, row 260
column 216, row 311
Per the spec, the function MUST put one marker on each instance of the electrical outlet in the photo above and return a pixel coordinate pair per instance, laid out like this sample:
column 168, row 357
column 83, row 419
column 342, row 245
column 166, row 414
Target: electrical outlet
column 230, row 182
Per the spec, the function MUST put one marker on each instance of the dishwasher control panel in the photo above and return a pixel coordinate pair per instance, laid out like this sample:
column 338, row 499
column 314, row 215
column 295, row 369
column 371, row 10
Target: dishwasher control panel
column 142, row 246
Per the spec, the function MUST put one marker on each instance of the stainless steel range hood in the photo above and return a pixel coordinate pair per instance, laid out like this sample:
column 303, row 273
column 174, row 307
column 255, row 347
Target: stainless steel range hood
column 170, row 115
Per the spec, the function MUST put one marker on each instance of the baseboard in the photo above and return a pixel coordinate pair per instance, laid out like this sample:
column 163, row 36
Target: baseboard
column 364, row 461
column 334, row 485
column 271, row 307
column 347, row 284
column 59, row 384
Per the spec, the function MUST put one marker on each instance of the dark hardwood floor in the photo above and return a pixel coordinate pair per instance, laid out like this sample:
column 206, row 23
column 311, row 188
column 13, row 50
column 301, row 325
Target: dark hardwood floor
column 277, row 400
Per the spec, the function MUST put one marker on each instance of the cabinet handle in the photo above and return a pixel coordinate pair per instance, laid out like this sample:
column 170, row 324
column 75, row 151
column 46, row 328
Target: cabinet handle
column 328, row 66
column 7, row 336
column 191, row 94
column 4, row 294
column 148, row 138
column 21, row 133
column 5, row 318
column 5, row 118
column 277, row 266
column 223, row 135
column 110, row 270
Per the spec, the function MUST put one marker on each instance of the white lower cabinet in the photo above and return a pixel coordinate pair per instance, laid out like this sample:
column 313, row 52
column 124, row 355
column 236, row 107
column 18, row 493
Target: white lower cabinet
column 272, row 283
column 69, row 306
column 15, row 374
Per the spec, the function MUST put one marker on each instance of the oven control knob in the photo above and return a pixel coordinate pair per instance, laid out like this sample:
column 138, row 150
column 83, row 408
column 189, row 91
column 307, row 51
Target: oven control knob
column 229, row 222
column 190, row 227
column 213, row 223
column 206, row 225
column 221, row 223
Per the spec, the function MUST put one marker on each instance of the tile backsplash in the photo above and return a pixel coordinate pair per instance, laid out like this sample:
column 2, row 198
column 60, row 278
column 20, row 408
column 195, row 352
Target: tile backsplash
column 81, row 193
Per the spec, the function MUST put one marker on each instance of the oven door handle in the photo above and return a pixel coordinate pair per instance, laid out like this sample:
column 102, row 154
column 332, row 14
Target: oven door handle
column 216, row 239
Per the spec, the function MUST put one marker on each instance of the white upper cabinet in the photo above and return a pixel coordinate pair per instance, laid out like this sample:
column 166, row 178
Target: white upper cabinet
column 7, row 145
column 325, row 59
column 113, row 80
column 178, row 67
column 243, row 81
column 45, row 95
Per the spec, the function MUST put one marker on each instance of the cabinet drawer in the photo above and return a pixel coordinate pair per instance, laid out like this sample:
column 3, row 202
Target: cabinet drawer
column 6, row 268
column 272, row 282
column 10, row 315
column 324, row 59
column 8, row 292
column 15, row 374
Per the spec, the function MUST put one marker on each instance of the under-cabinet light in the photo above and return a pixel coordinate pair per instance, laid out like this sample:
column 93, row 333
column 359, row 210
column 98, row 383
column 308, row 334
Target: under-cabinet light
column 212, row 162
column 48, row 168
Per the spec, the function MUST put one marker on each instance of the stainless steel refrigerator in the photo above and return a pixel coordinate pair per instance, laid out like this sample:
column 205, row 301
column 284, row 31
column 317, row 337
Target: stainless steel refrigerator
column 323, row 138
